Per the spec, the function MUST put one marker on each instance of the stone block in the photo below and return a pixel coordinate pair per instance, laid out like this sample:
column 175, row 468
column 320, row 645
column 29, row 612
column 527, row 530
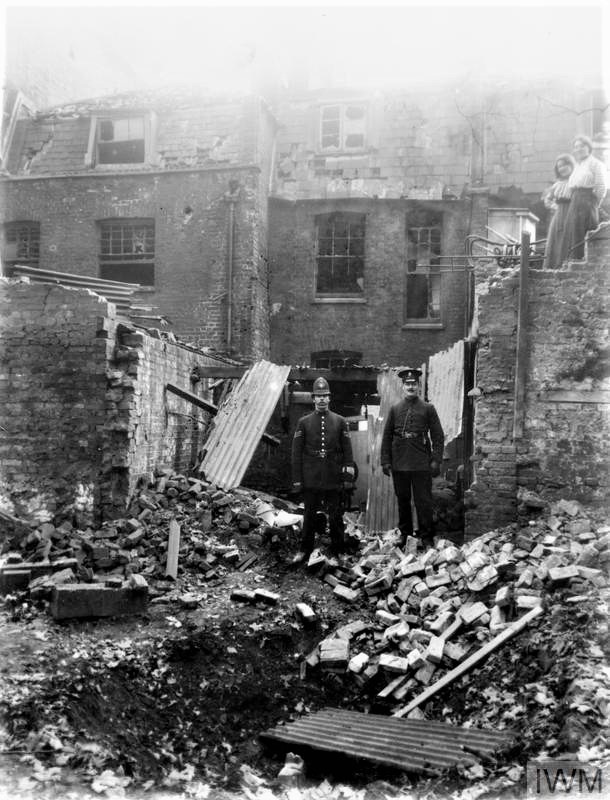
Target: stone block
column 391, row 663
column 345, row 593
column 434, row 651
column 81, row 600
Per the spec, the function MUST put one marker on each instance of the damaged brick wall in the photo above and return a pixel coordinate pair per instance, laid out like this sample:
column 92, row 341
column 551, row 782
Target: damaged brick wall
column 563, row 451
column 146, row 425
column 52, row 405
column 84, row 412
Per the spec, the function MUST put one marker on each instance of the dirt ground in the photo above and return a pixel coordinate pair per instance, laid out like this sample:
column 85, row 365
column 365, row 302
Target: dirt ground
column 171, row 703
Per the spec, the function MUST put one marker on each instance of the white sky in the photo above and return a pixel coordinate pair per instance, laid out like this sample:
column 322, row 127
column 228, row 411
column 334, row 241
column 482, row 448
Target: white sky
column 358, row 44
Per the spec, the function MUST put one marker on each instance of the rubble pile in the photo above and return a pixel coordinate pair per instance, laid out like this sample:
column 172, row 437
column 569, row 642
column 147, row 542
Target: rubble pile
column 218, row 531
column 434, row 610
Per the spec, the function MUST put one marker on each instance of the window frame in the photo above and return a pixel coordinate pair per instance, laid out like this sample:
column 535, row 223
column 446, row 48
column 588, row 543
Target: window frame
column 342, row 147
column 124, row 258
column 350, row 217
column 149, row 123
column 428, row 268
column 33, row 228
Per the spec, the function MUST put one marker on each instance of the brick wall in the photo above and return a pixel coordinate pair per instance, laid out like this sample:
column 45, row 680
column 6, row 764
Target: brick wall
column 563, row 451
column 52, row 386
column 84, row 413
column 423, row 144
column 374, row 325
column 191, row 218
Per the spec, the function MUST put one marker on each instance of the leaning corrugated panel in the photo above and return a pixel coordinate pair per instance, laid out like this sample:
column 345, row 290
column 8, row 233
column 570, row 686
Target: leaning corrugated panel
column 446, row 388
column 240, row 423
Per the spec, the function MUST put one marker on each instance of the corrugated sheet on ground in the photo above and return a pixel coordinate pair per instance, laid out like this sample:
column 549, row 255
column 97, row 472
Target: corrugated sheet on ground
column 412, row 745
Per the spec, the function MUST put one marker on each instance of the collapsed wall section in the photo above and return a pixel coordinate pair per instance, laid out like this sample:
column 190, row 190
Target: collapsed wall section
column 561, row 446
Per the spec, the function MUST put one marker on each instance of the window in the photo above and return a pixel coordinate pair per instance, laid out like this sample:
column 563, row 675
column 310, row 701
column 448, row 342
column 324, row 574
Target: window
column 115, row 140
column 120, row 141
column 21, row 243
column 342, row 127
column 335, row 359
column 340, row 255
column 127, row 251
column 423, row 268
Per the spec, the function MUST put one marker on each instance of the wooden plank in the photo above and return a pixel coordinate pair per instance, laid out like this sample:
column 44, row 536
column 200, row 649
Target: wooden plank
column 521, row 355
column 480, row 654
column 173, row 545
column 211, row 408
column 347, row 375
column 576, row 396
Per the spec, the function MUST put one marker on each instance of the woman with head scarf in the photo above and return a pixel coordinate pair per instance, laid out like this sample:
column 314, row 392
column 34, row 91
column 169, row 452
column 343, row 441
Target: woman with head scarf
column 588, row 188
column 557, row 199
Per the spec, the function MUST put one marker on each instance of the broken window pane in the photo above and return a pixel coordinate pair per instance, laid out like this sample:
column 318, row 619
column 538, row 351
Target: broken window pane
column 423, row 280
column 121, row 141
column 343, row 127
column 340, row 254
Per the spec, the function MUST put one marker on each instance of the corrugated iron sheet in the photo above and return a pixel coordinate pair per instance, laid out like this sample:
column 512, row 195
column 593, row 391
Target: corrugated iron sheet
column 411, row 745
column 116, row 292
column 381, row 509
column 240, row 423
column 446, row 388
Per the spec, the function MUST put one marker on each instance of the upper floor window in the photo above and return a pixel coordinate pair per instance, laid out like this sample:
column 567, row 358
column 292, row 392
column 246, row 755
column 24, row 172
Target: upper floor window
column 340, row 255
column 127, row 250
column 121, row 139
column 423, row 289
column 21, row 243
column 343, row 126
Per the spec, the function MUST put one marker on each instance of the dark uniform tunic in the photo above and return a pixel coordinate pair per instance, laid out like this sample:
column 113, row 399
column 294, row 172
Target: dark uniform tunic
column 405, row 447
column 320, row 449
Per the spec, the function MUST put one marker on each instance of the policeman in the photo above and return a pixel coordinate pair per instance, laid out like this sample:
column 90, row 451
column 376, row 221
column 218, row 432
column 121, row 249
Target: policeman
column 407, row 456
column 322, row 465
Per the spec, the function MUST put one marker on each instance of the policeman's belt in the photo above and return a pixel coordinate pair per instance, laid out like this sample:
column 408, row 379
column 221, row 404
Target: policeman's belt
column 319, row 453
column 412, row 436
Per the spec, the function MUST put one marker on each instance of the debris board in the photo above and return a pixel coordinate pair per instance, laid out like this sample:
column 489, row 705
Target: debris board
column 411, row 745
column 173, row 546
column 241, row 422
column 480, row 654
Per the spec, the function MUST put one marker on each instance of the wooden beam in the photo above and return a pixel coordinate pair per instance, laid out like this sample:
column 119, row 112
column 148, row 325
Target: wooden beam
column 480, row 654
column 522, row 354
column 173, row 546
column 212, row 409
column 347, row 375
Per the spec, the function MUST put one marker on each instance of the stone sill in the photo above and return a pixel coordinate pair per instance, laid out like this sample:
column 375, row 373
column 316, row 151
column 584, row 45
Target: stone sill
column 325, row 300
column 429, row 326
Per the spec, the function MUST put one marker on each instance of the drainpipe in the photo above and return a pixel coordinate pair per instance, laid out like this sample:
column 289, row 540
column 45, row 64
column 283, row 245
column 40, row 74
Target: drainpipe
column 231, row 198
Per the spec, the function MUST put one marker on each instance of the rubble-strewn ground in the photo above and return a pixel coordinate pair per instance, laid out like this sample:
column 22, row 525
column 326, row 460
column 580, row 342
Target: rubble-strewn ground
column 171, row 702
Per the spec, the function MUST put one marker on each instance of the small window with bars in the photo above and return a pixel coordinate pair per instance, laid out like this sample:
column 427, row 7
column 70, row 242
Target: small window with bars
column 423, row 280
column 21, row 244
column 343, row 127
column 340, row 255
column 127, row 251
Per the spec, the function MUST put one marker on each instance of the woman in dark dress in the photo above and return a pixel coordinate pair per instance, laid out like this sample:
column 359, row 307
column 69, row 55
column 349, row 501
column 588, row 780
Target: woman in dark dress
column 557, row 199
column 588, row 189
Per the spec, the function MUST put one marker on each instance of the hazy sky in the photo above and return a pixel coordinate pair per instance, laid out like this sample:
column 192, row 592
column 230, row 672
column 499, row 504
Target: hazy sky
column 355, row 44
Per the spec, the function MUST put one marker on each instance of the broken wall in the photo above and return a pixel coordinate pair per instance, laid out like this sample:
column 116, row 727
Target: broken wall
column 563, row 450
column 84, row 411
